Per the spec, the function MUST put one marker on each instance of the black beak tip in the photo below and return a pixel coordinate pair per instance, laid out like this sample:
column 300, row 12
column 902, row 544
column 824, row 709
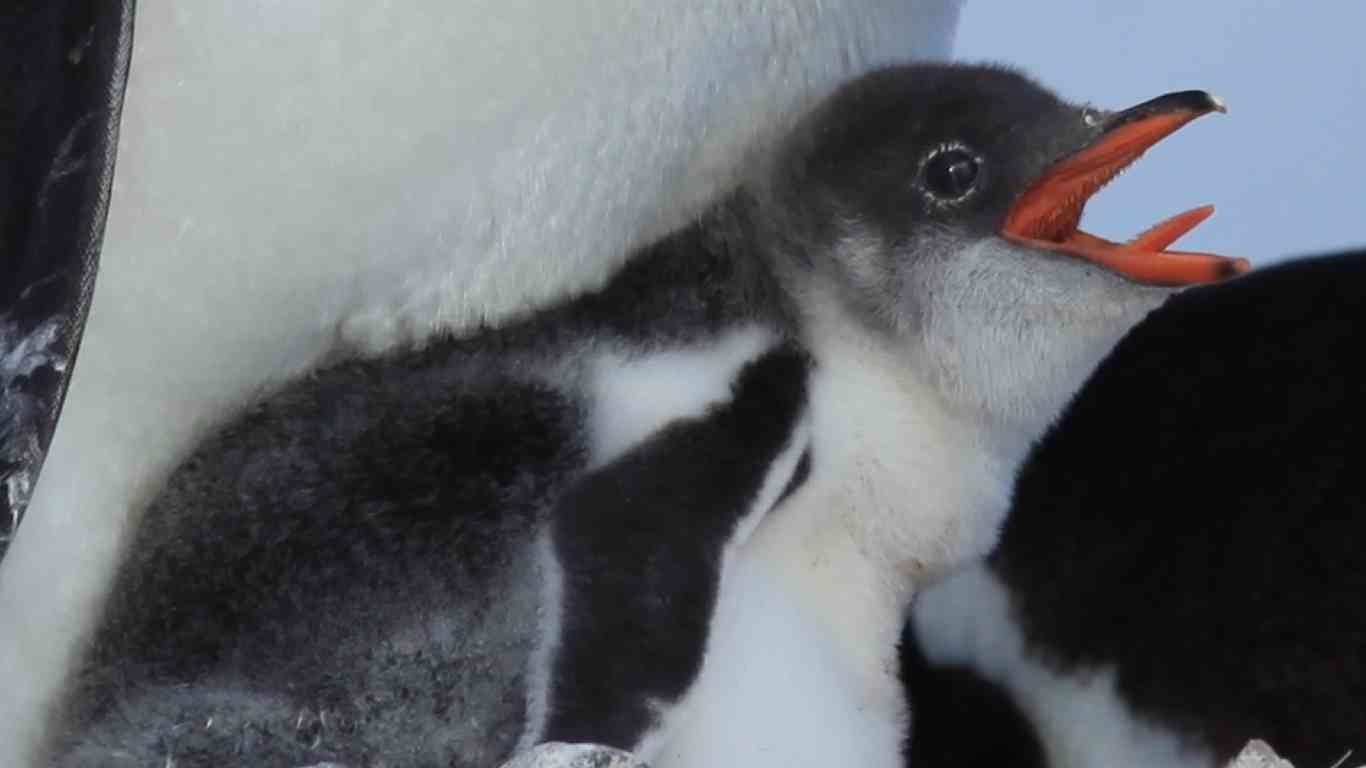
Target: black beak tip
column 1232, row 268
column 1196, row 102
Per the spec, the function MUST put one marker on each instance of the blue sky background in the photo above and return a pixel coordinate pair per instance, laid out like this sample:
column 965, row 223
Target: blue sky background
column 1286, row 167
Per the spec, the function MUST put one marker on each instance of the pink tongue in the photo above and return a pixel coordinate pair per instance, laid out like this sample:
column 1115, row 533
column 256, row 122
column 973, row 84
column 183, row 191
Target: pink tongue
column 1161, row 235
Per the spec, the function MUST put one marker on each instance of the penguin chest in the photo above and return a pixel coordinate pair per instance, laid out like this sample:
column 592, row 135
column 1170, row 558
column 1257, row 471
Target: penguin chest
column 801, row 665
column 774, row 690
column 779, row 682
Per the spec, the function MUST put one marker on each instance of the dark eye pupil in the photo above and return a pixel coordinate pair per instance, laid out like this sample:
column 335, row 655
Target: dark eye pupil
column 951, row 173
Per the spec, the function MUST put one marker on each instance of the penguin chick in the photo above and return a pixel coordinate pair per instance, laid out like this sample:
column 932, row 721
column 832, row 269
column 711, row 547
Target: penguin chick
column 1182, row 570
column 395, row 542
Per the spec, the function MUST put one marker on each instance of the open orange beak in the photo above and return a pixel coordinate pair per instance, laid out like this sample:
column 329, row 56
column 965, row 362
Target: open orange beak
column 1047, row 213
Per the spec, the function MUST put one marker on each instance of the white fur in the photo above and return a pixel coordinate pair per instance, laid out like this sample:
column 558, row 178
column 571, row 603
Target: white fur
column 772, row 693
column 916, row 436
column 1079, row 717
column 634, row 396
column 802, row 667
column 301, row 179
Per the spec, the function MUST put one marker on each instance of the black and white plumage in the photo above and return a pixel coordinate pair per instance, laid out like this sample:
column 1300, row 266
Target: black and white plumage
column 358, row 559
column 361, row 567
column 1183, row 569
column 633, row 632
column 960, row 718
column 300, row 183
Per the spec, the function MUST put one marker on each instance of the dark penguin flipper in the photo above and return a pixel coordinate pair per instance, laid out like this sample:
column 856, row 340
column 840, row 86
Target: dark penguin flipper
column 1197, row 519
column 634, row 629
column 63, row 68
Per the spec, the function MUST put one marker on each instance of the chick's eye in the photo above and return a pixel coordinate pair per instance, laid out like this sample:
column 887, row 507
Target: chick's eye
column 951, row 173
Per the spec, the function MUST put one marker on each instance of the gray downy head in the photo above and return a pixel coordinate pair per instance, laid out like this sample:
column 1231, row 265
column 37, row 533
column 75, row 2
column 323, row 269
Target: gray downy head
column 938, row 207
